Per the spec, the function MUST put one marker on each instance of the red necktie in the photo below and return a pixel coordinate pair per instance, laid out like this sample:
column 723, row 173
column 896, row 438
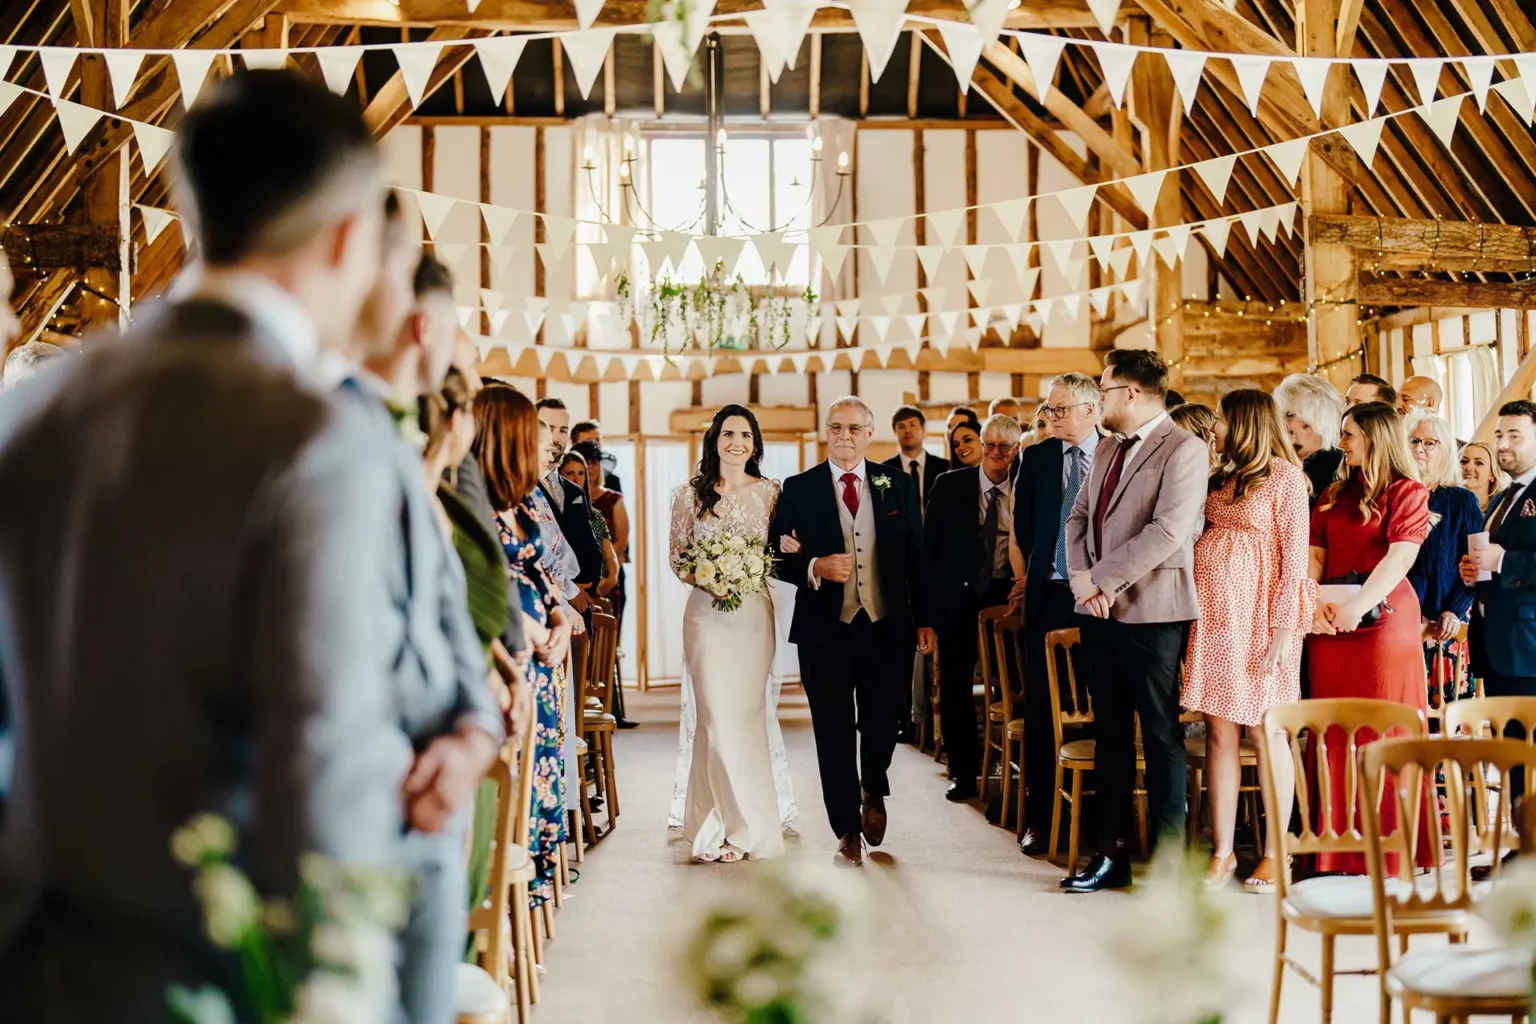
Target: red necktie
column 851, row 493
column 1107, row 491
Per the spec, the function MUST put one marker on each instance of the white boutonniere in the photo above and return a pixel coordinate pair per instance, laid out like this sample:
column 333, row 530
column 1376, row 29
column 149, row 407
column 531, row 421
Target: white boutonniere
column 882, row 484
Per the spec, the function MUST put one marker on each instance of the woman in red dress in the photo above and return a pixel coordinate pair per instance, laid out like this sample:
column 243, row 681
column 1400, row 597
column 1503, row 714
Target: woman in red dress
column 1370, row 523
column 1244, row 653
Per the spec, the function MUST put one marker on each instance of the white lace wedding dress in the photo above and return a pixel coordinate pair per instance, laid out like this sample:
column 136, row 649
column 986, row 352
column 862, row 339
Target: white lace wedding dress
column 733, row 782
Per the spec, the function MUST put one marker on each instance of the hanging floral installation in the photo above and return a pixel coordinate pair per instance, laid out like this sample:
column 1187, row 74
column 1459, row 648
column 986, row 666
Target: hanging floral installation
column 719, row 311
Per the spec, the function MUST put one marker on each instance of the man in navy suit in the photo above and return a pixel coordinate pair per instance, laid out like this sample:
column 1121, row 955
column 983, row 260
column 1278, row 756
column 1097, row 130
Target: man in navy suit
column 1503, row 631
column 911, row 427
column 572, row 513
column 861, row 611
column 1051, row 474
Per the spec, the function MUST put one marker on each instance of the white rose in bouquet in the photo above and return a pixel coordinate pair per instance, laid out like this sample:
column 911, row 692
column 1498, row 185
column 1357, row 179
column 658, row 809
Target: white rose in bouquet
column 728, row 567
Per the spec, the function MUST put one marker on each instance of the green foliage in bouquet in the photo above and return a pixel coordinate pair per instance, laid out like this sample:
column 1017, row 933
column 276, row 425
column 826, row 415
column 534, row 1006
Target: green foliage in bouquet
column 325, row 956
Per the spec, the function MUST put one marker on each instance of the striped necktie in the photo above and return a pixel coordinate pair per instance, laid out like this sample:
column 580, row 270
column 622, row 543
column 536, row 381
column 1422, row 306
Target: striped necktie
column 1068, row 498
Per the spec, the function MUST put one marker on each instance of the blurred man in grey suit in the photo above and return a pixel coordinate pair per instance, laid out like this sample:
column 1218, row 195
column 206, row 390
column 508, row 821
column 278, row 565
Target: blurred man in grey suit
column 406, row 336
column 194, row 592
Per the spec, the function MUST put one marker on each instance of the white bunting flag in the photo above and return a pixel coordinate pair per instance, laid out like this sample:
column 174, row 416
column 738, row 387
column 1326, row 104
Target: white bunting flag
column 988, row 17
column 416, row 62
column 936, row 297
column 1106, row 13
column 1517, row 93
column 1287, row 157
column 879, row 25
column 1011, row 312
column 122, row 68
column 832, row 257
column 929, row 256
column 1077, row 202
column 586, row 51
column 76, row 122
column 1480, row 74
column 192, row 71
column 259, row 59
column 1372, row 74
column 882, row 233
column 1141, row 242
column 1179, row 235
column 846, row 326
column 1061, row 254
column 1120, row 262
column 1251, row 71
column 58, row 62
column 1525, row 64
column 945, row 226
column 1167, row 251
column 1010, row 213
column 975, row 258
column 450, row 254
column 435, row 209
column 823, row 238
column 8, row 95
column 794, row 17
column 498, row 222
column 1018, row 255
column 981, row 289
column 1100, row 246
column 949, row 322
column 498, row 59
column 490, row 299
column 1313, row 73
column 1186, row 66
column 765, row 32
column 1269, row 222
column 880, row 324
column 154, row 142
column 1028, row 280
column 848, row 307
column 880, row 257
column 1073, row 304
column 775, row 252
column 981, row 316
column 1133, row 290
column 1364, row 136
column 1045, row 308
column 558, row 232
column 679, row 41
column 1251, row 221
column 1216, row 232
column 1426, row 77
column 1116, row 62
column 543, row 353
column 715, row 249
column 889, row 303
column 1217, row 174
column 466, row 314
column 587, row 12
column 963, row 43
column 338, row 65
column 1145, row 188
column 1042, row 53
column 915, row 323
column 7, row 55
column 1099, row 300
column 549, row 255
column 1286, row 214
column 155, row 221
column 1442, row 116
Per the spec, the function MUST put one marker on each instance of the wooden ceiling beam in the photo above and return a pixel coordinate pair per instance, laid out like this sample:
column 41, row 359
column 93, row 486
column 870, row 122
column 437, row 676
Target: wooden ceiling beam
column 44, row 302
column 1428, row 237
column 1408, row 291
column 548, row 15
column 999, row 93
column 1260, row 269
column 391, row 104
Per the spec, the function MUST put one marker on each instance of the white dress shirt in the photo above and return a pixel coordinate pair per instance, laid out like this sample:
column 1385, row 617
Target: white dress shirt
column 860, row 486
column 921, row 458
column 1000, row 566
column 1141, row 433
column 271, row 309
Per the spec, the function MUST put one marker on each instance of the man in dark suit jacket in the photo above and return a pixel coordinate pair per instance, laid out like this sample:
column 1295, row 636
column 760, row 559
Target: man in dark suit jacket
column 1502, row 635
column 861, row 610
column 911, row 428
column 177, row 642
column 1052, row 472
column 968, row 523
column 573, row 512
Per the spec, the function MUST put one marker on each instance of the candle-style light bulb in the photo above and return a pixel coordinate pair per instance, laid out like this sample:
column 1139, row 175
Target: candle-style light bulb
column 586, row 155
column 720, row 137
column 816, row 144
column 629, row 144
column 842, row 161
column 624, row 171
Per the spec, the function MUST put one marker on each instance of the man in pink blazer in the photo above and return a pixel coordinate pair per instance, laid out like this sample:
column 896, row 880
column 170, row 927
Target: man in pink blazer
column 1130, row 554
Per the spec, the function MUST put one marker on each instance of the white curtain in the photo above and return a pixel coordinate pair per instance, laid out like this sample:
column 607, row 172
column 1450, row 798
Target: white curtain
column 666, row 469
column 781, row 460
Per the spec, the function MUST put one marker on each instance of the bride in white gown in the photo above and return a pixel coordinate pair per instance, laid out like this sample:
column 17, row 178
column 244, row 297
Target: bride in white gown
column 736, row 800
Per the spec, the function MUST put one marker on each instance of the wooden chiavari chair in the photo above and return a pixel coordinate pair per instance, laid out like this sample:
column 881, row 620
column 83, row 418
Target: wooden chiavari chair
column 1008, row 658
column 1328, row 905
column 597, row 724
column 995, row 703
column 1454, row 982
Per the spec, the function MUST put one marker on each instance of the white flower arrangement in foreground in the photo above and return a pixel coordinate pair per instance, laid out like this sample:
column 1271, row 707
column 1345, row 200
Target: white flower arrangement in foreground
column 326, row 957
column 728, row 567
column 1171, row 939
column 790, row 945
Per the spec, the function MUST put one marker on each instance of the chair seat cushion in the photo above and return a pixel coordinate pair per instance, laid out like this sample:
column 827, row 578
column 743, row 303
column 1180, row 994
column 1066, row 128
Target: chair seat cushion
column 1016, row 728
column 1082, row 751
column 581, row 745
column 1349, row 896
column 979, row 691
column 595, row 703
column 1459, row 971
column 476, row 992
column 995, row 711
column 604, row 721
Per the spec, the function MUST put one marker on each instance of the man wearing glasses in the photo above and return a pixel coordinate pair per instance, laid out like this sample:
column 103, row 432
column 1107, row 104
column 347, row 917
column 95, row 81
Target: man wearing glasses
column 1051, row 474
column 970, row 517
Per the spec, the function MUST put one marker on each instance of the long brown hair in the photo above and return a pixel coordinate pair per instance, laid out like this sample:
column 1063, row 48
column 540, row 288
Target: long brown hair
column 1386, row 459
column 436, row 410
column 1254, row 436
column 506, row 444
column 708, row 475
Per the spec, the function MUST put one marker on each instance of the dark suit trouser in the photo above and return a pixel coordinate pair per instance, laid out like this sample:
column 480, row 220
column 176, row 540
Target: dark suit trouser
column 957, row 670
column 857, row 682
column 1134, row 669
column 1056, row 611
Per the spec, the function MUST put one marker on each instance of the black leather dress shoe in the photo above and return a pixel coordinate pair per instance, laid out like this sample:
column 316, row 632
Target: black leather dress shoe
column 960, row 793
column 625, row 723
column 1101, row 873
column 1033, row 843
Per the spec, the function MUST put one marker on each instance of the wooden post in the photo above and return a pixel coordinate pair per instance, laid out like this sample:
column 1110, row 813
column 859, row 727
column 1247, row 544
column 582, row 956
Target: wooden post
column 485, row 232
column 972, row 380
column 1331, row 272
column 107, row 199
column 540, row 198
column 1161, row 115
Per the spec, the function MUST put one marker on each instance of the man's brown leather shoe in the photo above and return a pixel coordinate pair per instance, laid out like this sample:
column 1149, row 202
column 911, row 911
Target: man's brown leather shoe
column 850, row 851
column 874, row 819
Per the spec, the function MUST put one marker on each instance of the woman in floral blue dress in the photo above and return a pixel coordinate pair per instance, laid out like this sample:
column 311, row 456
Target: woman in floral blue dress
column 506, row 445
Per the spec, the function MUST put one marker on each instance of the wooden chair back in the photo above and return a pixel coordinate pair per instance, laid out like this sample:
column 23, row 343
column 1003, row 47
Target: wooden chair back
column 522, row 825
column 514, row 806
column 1326, row 723
column 1490, row 718
column 602, row 657
column 1453, row 678
column 1008, row 641
column 986, row 665
column 1399, row 768
column 1070, row 703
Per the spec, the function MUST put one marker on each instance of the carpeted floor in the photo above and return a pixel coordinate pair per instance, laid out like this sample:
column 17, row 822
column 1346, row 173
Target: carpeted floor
column 982, row 933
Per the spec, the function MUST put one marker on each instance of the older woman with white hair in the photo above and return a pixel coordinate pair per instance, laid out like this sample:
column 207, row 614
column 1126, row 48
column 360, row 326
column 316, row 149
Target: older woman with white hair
column 1454, row 514
column 1313, row 410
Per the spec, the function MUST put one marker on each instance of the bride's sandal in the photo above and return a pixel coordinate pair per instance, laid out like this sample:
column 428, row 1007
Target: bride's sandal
column 1263, row 878
column 1220, row 871
column 730, row 855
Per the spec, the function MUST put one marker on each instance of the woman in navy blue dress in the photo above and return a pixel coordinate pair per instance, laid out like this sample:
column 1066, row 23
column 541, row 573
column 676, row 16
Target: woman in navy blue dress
column 1444, row 600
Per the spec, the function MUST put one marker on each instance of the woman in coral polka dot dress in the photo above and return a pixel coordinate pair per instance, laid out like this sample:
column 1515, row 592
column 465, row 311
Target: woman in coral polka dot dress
column 1244, row 654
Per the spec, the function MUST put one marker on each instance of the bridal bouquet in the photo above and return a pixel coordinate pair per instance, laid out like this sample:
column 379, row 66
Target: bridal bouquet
column 325, row 957
column 729, row 567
